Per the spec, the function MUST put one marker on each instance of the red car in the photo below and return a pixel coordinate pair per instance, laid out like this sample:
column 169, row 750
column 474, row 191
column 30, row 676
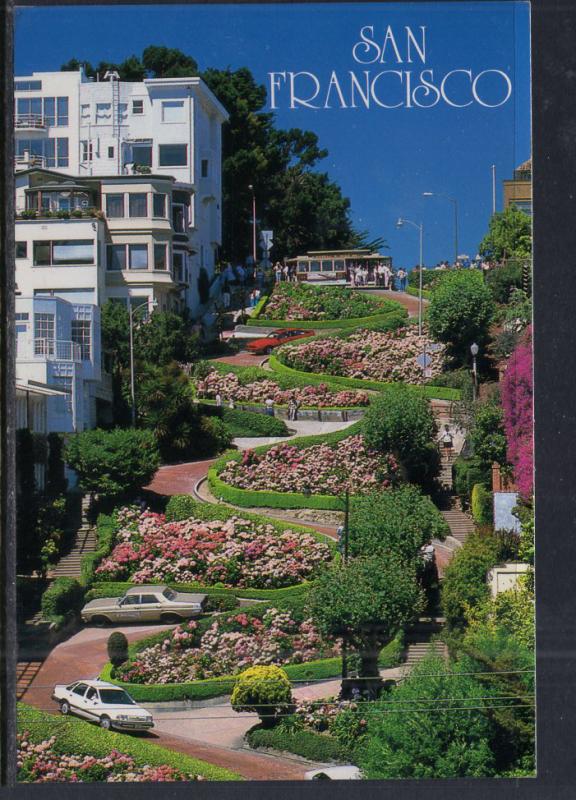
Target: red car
column 276, row 338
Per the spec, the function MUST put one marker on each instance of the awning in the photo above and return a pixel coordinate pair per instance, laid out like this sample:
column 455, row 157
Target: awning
column 41, row 389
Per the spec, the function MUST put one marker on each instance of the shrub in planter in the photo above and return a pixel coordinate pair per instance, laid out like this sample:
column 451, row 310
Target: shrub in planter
column 62, row 600
column 481, row 504
column 117, row 648
column 265, row 690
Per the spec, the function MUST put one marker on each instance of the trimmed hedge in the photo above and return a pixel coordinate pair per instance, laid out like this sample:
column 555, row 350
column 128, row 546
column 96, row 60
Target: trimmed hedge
column 251, row 423
column 62, row 601
column 428, row 390
column 307, row 744
column 394, row 315
column 76, row 737
column 413, row 290
column 118, row 588
column 468, row 473
column 106, row 528
column 481, row 505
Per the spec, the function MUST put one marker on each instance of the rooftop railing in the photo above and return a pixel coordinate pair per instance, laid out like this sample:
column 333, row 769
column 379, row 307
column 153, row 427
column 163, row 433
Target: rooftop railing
column 27, row 121
column 57, row 350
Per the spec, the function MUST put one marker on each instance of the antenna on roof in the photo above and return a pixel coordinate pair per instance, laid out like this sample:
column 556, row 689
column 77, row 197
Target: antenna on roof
column 111, row 75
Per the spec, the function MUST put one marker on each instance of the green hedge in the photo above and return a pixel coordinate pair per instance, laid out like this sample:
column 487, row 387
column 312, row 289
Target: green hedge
column 468, row 473
column 106, row 528
column 62, row 601
column 428, row 390
column 394, row 312
column 251, row 423
column 259, row 307
column 118, row 588
column 481, row 505
column 77, row 737
column 307, row 744
column 413, row 290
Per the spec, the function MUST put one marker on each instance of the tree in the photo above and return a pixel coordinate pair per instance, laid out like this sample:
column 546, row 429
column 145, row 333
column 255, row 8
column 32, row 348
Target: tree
column 165, row 337
column 487, row 435
column 366, row 601
column 117, row 648
column 431, row 736
column 517, row 401
column 509, row 236
column 400, row 421
column 460, row 313
column 265, row 690
column 113, row 463
column 398, row 521
column 167, row 62
column 503, row 279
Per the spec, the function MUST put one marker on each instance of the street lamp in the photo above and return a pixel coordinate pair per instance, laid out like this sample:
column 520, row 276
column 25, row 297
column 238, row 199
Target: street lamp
column 131, row 312
column 474, row 350
column 253, row 224
column 455, row 203
column 400, row 223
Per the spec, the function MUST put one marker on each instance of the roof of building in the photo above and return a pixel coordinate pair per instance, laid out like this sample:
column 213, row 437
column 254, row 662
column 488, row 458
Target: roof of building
column 525, row 166
column 40, row 389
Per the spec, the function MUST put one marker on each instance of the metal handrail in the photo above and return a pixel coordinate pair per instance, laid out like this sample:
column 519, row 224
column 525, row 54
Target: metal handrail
column 30, row 121
column 57, row 350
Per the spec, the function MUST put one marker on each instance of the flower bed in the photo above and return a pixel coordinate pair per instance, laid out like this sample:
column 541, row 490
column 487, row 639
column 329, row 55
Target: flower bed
column 301, row 302
column 318, row 468
column 231, row 644
column 233, row 552
column 229, row 386
column 389, row 356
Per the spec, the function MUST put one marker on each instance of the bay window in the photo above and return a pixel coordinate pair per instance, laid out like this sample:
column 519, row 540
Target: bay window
column 137, row 256
column 138, row 204
column 114, row 205
column 160, row 260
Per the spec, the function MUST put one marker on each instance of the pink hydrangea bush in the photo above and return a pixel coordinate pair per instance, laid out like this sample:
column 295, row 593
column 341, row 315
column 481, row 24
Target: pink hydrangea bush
column 229, row 386
column 285, row 468
column 517, row 401
column 40, row 763
column 231, row 644
column 390, row 356
column 235, row 552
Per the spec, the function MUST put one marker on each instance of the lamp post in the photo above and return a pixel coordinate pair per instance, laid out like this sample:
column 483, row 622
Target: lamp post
column 131, row 312
column 454, row 201
column 474, row 350
column 251, row 187
column 400, row 224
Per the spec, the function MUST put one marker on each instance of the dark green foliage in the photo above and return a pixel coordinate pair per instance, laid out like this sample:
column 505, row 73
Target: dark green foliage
column 487, row 435
column 56, row 483
column 117, row 647
column 468, row 472
column 62, row 600
column 112, row 463
column 400, row 421
column 215, row 436
column 247, row 423
column 398, row 520
column 429, row 739
column 221, row 603
column 509, row 236
column 106, row 527
column 464, row 581
column 503, row 280
column 481, row 505
column 307, row 744
column 164, row 338
column 366, row 602
column 460, row 313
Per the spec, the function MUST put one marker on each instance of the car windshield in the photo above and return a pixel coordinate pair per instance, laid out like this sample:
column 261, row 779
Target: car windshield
column 115, row 697
column 169, row 593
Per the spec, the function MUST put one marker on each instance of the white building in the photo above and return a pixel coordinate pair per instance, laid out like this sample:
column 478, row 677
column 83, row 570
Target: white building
column 166, row 127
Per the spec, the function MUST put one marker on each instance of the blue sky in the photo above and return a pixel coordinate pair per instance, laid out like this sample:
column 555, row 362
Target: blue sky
column 382, row 158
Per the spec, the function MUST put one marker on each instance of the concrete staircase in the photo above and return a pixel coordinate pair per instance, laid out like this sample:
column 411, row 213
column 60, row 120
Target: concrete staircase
column 460, row 524
column 84, row 542
column 418, row 640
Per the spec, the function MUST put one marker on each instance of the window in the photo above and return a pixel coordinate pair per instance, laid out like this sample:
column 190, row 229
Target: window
column 178, row 218
column 29, row 107
column 142, row 154
column 41, row 254
column 302, row 266
column 86, row 150
column 62, row 111
column 85, row 112
column 173, row 111
column 327, row 265
column 138, row 256
column 79, row 251
column 148, row 598
column 178, row 267
column 55, row 151
column 116, row 257
column 314, row 266
column 131, row 600
column 114, row 205
column 21, row 249
column 122, row 111
column 204, row 168
column 137, row 106
column 80, row 689
column 137, row 205
column 28, row 86
column 91, row 694
column 80, row 333
column 160, row 256
column 110, row 152
column 44, row 332
column 103, row 113
column 62, row 152
column 173, row 155
column 21, row 316
column 159, row 202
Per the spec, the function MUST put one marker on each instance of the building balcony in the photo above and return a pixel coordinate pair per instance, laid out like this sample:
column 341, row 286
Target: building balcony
column 27, row 161
column 57, row 350
column 30, row 122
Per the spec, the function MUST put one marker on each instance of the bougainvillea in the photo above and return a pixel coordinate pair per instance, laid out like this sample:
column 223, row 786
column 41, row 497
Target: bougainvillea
column 517, row 400
column 390, row 356
column 40, row 763
column 319, row 469
column 236, row 552
column 297, row 301
column 230, row 387
column 231, row 644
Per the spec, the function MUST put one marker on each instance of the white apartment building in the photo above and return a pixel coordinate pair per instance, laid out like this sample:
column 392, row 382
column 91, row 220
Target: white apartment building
column 165, row 127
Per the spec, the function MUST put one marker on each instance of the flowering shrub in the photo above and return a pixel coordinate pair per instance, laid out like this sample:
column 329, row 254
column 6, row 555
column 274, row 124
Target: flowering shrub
column 297, row 301
column 40, row 763
column 229, row 386
column 517, row 402
column 389, row 356
column 285, row 468
column 234, row 552
column 230, row 645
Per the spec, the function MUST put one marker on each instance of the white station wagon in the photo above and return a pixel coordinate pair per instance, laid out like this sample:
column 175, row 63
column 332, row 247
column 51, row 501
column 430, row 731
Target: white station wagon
column 104, row 703
column 151, row 603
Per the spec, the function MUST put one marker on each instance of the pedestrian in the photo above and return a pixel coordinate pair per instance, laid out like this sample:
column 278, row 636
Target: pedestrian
column 269, row 406
column 296, row 408
column 278, row 271
column 286, row 273
column 226, row 297
column 231, row 403
column 447, row 440
column 386, row 273
column 291, row 410
column 218, row 400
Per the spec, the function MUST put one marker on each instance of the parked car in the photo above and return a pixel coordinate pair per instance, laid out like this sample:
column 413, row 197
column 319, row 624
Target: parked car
column 343, row 773
column 282, row 336
column 144, row 604
column 104, row 703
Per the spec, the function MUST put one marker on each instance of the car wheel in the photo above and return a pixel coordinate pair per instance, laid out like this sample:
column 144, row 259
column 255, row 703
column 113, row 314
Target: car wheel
column 105, row 723
column 64, row 707
column 269, row 351
column 100, row 622
column 170, row 618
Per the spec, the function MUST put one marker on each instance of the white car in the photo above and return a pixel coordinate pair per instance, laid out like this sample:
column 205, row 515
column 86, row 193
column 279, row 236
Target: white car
column 104, row 703
column 344, row 773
